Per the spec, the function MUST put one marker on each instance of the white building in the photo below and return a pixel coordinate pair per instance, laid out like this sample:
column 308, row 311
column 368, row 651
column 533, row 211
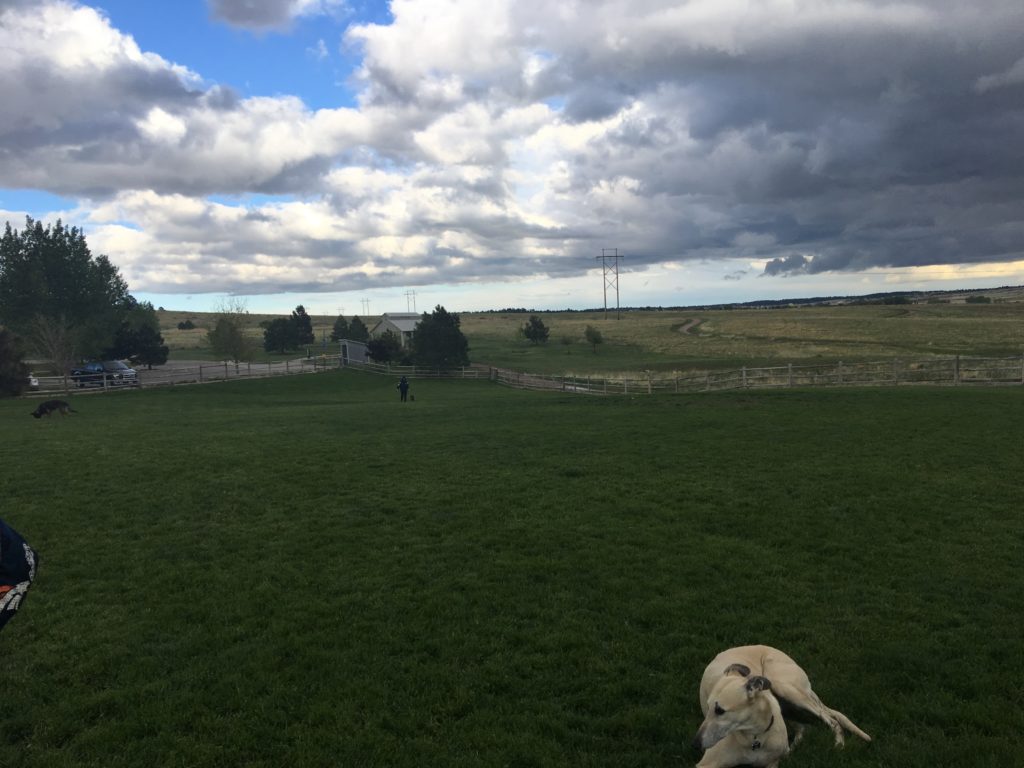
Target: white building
column 402, row 324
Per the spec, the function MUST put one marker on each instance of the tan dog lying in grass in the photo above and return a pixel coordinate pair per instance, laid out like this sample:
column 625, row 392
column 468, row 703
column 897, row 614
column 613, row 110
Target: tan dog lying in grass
column 747, row 694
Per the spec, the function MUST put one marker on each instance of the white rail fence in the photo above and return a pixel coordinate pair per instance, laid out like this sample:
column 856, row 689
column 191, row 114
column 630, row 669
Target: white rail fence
column 949, row 371
column 953, row 371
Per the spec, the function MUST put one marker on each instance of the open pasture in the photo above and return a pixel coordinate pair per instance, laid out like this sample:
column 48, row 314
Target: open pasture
column 687, row 340
column 305, row 572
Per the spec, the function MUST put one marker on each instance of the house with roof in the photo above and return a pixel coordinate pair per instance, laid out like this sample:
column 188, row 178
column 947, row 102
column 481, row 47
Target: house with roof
column 402, row 324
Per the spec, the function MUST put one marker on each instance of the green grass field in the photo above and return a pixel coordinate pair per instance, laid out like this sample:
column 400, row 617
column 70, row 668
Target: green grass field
column 305, row 572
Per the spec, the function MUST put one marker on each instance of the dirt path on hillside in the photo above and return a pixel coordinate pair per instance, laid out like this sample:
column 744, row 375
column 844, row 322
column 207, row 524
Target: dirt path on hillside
column 690, row 326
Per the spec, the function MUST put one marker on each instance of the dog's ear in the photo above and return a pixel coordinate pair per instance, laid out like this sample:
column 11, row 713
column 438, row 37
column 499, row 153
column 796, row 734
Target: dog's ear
column 742, row 670
column 758, row 683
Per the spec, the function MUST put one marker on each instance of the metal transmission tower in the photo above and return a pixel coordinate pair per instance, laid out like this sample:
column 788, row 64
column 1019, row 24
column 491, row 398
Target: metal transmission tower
column 366, row 306
column 410, row 301
column 610, row 268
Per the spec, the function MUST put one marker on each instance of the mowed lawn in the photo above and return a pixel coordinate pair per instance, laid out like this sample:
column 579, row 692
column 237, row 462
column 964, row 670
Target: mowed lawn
column 306, row 572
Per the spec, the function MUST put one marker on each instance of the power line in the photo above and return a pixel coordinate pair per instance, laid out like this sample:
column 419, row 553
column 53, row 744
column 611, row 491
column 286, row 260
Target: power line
column 610, row 272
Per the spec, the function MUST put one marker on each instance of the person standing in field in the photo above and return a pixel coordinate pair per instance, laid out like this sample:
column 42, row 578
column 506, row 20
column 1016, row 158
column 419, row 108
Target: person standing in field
column 403, row 388
column 17, row 571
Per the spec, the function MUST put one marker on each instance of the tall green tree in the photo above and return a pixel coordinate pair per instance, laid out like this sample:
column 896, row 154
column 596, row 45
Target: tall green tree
column 341, row 329
column 358, row 330
column 49, row 272
column 280, row 335
column 303, row 325
column 593, row 337
column 438, row 341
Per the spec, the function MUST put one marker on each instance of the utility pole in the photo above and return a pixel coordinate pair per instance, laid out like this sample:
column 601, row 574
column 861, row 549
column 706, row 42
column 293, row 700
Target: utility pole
column 410, row 301
column 366, row 307
column 610, row 271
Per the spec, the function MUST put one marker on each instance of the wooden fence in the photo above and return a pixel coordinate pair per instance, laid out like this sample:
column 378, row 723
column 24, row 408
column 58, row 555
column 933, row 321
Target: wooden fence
column 949, row 371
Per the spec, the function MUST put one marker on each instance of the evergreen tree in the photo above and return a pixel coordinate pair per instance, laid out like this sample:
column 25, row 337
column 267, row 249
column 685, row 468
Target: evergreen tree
column 49, row 272
column 385, row 348
column 341, row 329
column 438, row 341
column 535, row 330
column 358, row 331
column 303, row 326
column 138, row 338
column 281, row 334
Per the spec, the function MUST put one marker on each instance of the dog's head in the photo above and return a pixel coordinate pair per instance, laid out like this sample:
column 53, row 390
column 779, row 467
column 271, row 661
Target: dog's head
column 738, row 703
column 37, row 413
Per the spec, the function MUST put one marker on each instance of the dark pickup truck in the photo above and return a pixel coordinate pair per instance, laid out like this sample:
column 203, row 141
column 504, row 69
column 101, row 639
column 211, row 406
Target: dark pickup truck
column 105, row 373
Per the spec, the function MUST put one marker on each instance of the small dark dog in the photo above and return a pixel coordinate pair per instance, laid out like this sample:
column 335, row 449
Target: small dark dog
column 52, row 406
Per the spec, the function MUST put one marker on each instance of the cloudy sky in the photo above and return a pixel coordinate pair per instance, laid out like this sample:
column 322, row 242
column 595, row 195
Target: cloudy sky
column 361, row 155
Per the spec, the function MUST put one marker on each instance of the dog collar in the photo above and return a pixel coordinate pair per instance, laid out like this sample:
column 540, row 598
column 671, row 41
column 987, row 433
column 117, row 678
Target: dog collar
column 757, row 740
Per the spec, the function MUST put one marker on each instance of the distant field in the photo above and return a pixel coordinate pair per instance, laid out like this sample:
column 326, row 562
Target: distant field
column 304, row 572
column 681, row 341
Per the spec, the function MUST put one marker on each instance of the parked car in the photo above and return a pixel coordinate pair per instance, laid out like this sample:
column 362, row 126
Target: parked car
column 104, row 373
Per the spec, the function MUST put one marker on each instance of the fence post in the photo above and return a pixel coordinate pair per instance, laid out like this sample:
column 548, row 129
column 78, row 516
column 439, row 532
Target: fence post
column 1022, row 369
column 200, row 374
column 956, row 371
column 225, row 370
column 895, row 372
column 649, row 382
column 287, row 369
column 744, row 377
column 789, row 366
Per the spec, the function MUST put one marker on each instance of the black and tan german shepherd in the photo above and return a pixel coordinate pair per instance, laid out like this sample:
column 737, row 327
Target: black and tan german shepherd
column 50, row 406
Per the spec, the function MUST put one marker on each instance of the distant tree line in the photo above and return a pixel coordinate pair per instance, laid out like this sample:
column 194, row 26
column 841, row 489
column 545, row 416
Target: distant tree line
column 61, row 302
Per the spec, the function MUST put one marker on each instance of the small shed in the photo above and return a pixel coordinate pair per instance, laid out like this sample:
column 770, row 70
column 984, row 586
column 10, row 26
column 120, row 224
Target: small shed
column 353, row 352
column 402, row 324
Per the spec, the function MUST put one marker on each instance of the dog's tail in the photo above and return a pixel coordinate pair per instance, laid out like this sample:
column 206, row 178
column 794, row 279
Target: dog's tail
column 847, row 723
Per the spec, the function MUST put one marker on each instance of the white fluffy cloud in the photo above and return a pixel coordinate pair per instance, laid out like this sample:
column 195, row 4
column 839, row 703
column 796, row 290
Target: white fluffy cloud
column 509, row 139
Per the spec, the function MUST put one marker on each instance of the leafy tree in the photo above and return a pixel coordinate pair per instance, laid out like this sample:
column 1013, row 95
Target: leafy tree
column 341, row 329
column 227, row 337
column 186, row 325
column 385, row 348
column 13, row 371
column 593, row 336
column 535, row 330
column 438, row 341
column 567, row 342
column 281, row 335
column 358, row 331
column 303, row 326
column 50, row 272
